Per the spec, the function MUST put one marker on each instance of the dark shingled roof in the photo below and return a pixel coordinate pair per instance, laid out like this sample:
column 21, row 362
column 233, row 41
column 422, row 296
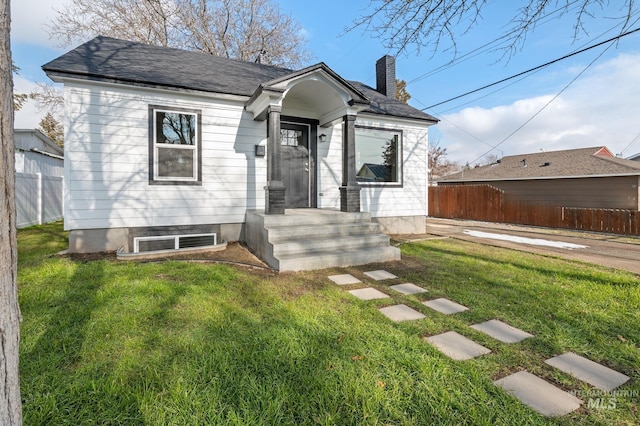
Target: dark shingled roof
column 596, row 161
column 113, row 60
column 380, row 171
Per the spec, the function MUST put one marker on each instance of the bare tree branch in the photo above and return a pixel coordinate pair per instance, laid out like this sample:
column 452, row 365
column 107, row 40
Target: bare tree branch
column 436, row 24
column 239, row 29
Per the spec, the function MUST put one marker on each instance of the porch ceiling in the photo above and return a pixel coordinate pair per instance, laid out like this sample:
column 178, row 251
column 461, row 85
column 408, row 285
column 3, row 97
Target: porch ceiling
column 317, row 91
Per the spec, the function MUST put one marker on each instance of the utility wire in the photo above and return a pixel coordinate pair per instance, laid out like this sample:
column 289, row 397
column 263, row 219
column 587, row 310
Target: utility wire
column 481, row 49
column 515, row 82
column 536, row 68
column 633, row 141
column 548, row 103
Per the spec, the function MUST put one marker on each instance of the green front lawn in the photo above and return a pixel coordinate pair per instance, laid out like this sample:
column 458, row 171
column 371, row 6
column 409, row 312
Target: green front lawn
column 107, row 342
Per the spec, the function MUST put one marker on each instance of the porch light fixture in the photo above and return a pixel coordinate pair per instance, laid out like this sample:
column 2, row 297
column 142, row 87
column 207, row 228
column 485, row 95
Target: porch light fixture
column 322, row 138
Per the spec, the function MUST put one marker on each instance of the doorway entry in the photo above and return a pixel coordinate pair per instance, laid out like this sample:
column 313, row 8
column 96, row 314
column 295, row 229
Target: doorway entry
column 296, row 165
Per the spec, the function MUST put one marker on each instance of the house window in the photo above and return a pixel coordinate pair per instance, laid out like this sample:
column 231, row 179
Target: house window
column 290, row 137
column 175, row 146
column 378, row 156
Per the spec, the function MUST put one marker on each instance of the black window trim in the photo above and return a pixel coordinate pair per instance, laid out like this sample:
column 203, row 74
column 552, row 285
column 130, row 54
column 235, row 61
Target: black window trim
column 198, row 114
column 400, row 183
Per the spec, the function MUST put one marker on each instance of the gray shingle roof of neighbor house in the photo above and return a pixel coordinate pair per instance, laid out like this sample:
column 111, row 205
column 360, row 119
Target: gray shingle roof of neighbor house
column 635, row 157
column 380, row 171
column 582, row 162
column 120, row 61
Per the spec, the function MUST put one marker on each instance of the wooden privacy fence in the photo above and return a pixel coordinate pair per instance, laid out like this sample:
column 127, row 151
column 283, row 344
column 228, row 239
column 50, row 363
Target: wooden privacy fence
column 38, row 199
column 489, row 204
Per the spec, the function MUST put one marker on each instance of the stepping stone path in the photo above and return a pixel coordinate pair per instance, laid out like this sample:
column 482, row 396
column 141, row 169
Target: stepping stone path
column 380, row 275
column 408, row 288
column 539, row 394
column 401, row 312
column 344, row 279
column 445, row 306
column 531, row 390
column 457, row 346
column 588, row 371
column 368, row 293
column 501, row 331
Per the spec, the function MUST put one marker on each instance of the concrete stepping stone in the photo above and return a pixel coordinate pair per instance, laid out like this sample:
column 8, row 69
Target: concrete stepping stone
column 588, row 371
column 380, row 275
column 445, row 306
column 502, row 331
column 539, row 394
column 344, row 279
column 368, row 293
column 401, row 313
column 456, row 346
column 408, row 288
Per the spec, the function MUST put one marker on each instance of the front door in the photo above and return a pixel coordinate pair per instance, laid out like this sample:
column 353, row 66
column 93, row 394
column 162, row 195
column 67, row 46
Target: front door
column 295, row 164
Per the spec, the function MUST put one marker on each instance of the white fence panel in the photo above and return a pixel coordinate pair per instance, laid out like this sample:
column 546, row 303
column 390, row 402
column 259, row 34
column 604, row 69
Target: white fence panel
column 38, row 199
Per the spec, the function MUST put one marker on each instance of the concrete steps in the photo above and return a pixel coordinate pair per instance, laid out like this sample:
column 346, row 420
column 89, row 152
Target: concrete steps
column 306, row 239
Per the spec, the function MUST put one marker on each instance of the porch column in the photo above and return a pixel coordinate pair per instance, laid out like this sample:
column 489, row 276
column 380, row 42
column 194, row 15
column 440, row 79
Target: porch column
column 350, row 190
column 274, row 191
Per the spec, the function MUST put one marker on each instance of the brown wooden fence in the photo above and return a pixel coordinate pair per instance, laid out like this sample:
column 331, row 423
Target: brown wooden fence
column 489, row 204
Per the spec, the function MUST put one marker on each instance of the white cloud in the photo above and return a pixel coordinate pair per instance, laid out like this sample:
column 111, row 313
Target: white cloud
column 600, row 108
column 28, row 117
column 28, row 18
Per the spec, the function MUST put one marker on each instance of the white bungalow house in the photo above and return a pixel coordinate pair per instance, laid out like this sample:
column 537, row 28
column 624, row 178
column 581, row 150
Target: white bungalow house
column 162, row 144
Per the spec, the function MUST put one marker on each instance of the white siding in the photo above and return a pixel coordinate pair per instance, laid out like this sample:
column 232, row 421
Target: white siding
column 35, row 162
column 107, row 161
column 384, row 201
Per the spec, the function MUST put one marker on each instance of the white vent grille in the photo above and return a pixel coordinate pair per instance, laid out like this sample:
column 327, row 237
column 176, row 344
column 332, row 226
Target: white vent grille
column 173, row 242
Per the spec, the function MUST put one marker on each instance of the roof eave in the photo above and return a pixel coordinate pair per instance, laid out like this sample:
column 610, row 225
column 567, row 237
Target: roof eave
column 535, row 178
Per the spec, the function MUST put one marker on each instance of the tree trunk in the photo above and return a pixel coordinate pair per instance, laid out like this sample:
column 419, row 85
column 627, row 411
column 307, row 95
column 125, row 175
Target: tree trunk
column 10, row 403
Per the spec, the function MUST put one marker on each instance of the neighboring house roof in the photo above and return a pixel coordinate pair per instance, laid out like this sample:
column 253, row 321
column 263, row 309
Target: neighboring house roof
column 35, row 140
column 378, row 172
column 120, row 61
column 571, row 163
column 635, row 157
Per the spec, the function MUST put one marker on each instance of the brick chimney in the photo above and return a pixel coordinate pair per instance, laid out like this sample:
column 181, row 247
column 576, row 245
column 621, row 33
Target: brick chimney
column 386, row 76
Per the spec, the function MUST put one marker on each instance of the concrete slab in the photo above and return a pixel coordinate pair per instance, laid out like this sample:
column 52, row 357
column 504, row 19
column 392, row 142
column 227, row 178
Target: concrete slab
column 380, row 275
column 368, row 293
column 445, row 306
column 408, row 288
column 588, row 371
column 502, row 331
column 401, row 313
column 344, row 279
column 456, row 346
column 539, row 394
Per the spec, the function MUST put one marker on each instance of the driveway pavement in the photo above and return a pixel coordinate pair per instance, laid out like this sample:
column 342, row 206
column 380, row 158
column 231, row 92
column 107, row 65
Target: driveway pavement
column 614, row 251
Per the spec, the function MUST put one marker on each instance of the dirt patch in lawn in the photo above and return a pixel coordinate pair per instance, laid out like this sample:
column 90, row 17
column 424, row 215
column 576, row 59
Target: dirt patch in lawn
column 234, row 253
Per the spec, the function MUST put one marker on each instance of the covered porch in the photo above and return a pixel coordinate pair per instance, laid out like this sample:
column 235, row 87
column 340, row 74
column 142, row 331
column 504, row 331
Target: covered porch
column 315, row 98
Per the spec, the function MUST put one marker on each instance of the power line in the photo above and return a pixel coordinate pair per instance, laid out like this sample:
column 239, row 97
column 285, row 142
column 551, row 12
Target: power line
column 535, row 68
column 633, row 141
column 517, row 81
column 481, row 49
column 547, row 104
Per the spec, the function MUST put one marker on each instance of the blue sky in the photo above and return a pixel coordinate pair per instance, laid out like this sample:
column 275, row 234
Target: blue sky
column 599, row 108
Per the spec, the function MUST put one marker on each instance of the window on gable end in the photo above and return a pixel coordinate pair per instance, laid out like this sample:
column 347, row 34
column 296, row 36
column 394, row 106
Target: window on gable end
column 175, row 146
